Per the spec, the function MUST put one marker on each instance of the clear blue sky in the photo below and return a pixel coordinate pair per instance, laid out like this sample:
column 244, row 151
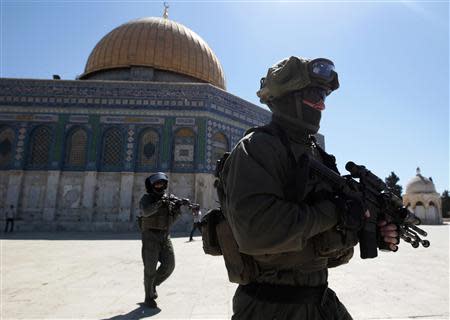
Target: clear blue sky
column 391, row 112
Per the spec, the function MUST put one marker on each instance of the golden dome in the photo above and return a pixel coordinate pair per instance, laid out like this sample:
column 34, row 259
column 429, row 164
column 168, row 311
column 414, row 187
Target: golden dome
column 158, row 43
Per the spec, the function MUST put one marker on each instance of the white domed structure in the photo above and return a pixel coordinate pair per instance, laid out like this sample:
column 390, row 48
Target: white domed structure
column 422, row 199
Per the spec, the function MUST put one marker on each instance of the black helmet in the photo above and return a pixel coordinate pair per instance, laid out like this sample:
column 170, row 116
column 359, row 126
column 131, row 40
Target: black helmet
column 152, row 179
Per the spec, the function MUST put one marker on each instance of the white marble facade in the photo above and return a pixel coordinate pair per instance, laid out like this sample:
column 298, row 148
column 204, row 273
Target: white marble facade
column 92, row 201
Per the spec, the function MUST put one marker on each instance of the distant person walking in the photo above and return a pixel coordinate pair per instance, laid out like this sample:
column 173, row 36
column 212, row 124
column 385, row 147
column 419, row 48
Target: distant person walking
column 9, row 214
column 197, row 214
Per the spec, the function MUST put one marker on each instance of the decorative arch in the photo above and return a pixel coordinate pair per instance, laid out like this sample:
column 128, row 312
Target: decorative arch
column 112, row 149
column 7, row 139
column 77, row 146
column 183, row 149
column 39, row 147
column 148, row 149
column 219, row 143
column 419, row 204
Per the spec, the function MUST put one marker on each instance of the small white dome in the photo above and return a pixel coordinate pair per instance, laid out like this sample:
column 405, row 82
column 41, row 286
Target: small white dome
column 420, row 184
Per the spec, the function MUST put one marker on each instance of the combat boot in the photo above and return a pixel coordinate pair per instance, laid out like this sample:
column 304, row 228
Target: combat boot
column 150, row 303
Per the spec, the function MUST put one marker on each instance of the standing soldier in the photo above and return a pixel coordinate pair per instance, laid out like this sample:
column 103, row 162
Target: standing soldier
column 158, row 213
column 285, row 223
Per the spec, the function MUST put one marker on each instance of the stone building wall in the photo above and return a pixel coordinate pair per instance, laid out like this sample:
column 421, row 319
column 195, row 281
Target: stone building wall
column 191, row 125
column 91, row 201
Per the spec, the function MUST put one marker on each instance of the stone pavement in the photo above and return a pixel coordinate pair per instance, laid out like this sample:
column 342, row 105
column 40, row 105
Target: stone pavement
column 99, row 276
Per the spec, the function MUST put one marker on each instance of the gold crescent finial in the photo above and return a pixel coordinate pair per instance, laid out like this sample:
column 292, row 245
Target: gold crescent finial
column 166, row 11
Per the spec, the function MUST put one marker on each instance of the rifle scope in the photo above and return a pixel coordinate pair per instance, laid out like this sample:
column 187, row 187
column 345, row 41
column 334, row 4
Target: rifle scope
column 361, row 172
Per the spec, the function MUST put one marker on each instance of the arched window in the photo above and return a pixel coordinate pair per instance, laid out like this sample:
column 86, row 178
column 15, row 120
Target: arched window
column 183, row 149
column 39, row 147
column 219, row 147
column 7, row 137
column 76, row 143
column 148, row 149
column 112, row 149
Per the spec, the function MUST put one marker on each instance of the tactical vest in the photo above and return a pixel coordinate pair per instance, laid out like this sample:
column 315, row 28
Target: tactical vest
column 219, row 240
column 156, row 215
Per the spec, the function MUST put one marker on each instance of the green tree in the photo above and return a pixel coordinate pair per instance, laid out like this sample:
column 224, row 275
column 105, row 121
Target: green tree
column 445, row 198
column 391, row 183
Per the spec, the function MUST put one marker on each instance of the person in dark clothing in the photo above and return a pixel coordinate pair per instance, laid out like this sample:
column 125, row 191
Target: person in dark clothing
column 197, row 216
column 9, row 214
column 285, row 233
column 158, row 213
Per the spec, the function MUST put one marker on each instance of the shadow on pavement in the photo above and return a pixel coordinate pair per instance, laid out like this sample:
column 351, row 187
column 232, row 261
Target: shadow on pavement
column 78, row 236
column 138, row 313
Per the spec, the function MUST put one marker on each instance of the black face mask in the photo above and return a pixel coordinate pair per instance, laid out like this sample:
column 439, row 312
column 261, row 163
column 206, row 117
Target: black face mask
column 309, row 105
column 159, row 191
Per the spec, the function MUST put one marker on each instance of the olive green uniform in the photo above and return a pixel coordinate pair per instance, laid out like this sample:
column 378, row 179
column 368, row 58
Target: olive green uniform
column 280, row 235
column 156, row 218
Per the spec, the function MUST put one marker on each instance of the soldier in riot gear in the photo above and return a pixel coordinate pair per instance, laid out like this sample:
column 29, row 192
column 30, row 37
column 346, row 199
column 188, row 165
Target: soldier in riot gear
column 158, row 212
column 287, row 223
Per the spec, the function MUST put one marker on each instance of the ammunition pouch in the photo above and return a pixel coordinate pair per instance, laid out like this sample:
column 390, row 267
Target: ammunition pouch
column 218, row 239
column 209, row 235
column 161, row 220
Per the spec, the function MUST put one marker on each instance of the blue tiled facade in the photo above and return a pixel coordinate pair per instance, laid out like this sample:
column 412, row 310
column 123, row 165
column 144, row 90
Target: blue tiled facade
column 96, row 106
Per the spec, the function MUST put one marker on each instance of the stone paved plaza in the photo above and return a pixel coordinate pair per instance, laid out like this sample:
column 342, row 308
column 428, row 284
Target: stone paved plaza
column 88, row 276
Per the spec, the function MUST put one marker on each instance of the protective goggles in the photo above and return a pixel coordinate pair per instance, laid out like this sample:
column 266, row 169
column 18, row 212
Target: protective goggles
column 322, row 68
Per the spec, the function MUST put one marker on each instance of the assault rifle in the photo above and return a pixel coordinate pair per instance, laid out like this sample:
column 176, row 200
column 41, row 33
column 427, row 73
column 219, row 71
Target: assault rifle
column 176, row 203
column 373, row 193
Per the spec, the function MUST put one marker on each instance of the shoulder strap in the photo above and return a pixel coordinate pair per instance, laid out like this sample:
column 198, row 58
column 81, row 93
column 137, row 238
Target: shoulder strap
column 328, row 159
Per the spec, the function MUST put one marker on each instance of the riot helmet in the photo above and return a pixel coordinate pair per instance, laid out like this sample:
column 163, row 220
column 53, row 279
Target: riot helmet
column 157, row 183
column 295, row 90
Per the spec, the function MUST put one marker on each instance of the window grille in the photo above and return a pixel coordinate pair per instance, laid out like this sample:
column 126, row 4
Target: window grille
column 77, row 144
column 112, row 148
column 6, row 144
column 148, row 149
column 219, row 147
column 40, row 146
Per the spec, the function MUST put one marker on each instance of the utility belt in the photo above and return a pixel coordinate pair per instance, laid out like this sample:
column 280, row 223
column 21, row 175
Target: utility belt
column 285, row 294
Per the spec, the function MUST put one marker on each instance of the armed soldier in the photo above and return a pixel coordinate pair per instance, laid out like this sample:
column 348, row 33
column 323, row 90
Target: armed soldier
column 290, row 227
column 158, row 213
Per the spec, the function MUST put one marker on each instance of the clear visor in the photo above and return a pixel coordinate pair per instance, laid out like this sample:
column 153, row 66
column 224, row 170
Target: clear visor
column 322, row 68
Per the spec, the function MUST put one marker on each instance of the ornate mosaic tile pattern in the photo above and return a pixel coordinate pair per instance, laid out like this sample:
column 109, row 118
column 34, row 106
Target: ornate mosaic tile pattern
column 113, row 95
column 232, row 135
column 20, row 146
column 132, row 107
